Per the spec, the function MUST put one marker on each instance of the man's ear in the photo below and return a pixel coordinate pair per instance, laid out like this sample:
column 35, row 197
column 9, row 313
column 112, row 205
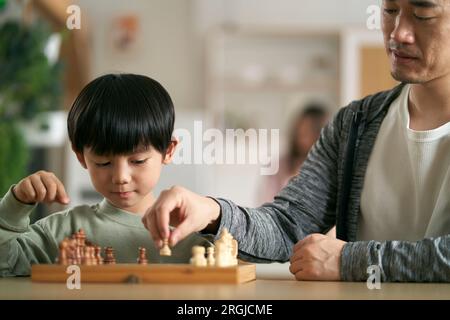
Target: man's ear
column 170, row 151
column 80, row 157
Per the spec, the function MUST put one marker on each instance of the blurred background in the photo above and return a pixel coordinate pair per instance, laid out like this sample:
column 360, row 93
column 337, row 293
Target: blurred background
column 228, row 63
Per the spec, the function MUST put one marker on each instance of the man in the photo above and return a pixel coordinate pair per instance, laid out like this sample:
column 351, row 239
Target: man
column 380, row 171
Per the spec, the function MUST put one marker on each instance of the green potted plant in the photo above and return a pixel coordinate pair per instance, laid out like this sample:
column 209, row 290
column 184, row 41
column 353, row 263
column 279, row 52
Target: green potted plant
column 30, row 84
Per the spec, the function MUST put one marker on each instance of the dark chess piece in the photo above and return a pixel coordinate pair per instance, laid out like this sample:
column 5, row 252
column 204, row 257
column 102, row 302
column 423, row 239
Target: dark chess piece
column 98, row 254
column 109, row 256
column 142, row 256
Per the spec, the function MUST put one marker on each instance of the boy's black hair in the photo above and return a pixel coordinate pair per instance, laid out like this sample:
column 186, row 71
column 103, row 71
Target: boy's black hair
column 118, row 113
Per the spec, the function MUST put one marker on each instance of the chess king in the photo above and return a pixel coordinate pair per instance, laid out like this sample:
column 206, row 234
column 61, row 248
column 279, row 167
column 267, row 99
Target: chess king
column 120, row 129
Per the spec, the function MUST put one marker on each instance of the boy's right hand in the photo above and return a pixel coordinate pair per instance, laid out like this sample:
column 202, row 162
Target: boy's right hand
column 41, row 186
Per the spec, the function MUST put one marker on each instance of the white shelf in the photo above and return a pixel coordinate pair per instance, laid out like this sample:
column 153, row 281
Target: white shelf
column 258, row 78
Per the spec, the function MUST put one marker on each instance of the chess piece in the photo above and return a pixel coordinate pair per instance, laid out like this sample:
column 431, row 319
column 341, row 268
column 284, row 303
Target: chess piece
column 71, row 256
column 224, row 250
column 88, row 256
column 98, row 255
column 82, row 237
column 220, row 254
column 109, row 256
column 234, row 252
column 142, row 256
column 165, row 250
column 210, row 257
column 92, row 258
column 63, row 252
column 198, row 256
column 79, row 249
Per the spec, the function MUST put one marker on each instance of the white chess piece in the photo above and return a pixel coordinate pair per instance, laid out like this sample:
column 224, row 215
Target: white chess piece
column 165, row 250
column 211, row 261
column 220, row 254
column 198, row 256
column 234, row 252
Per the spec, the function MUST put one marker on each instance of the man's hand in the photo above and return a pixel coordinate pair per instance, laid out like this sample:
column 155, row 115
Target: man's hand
column 41, row 186
column 183, row 209
column 317, row 257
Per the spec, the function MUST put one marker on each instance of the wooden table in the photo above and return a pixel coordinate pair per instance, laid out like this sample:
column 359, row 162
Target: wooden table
column 271, row 284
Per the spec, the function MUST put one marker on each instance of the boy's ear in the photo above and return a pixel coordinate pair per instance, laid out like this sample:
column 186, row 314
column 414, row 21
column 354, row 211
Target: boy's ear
column 80, row 157
column 170, row 151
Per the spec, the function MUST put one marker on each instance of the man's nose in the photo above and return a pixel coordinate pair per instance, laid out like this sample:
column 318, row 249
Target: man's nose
column 121, row 174
column 403, row 31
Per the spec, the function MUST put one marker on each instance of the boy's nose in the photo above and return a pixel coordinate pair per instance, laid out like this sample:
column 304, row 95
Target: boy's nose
column 121, row 176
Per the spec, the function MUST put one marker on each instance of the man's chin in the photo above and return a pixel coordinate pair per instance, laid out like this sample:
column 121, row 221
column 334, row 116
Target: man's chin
column 408, row 79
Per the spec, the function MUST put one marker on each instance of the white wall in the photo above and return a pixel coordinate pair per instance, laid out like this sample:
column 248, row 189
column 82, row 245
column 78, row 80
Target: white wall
column 308, row 13
column 171, row 50
column 166, row 48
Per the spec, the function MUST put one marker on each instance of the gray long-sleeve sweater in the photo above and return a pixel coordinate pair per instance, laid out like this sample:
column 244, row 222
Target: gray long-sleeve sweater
column 327, row 191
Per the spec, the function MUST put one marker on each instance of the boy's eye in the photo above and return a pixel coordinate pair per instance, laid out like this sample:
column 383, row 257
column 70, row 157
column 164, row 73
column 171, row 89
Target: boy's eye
column 139, row 161
column 104, row 164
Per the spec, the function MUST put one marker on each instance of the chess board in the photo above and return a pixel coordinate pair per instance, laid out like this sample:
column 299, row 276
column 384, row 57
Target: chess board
column 150, row 273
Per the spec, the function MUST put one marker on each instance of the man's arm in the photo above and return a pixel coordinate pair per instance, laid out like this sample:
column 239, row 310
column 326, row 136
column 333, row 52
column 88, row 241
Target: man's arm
column 427, row 260
column 306, row 205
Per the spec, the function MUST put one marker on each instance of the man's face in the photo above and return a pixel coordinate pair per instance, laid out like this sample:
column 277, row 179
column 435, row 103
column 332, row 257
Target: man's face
column 417, row 39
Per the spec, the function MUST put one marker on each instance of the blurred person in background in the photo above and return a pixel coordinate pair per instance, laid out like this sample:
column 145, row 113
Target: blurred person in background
column 304, row 132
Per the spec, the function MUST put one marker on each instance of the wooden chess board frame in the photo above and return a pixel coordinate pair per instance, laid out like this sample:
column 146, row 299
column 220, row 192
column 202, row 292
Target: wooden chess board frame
column 150, row 273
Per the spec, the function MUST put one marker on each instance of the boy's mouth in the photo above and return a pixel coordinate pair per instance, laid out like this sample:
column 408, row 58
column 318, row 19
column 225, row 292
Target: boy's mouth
column 123, row 194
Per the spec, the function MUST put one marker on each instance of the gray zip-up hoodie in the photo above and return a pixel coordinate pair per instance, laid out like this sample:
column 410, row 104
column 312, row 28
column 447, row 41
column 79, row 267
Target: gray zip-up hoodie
column 326, row 192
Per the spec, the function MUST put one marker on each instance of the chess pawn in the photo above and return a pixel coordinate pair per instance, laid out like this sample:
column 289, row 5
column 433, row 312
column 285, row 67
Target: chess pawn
column 98, row 255
column 109, row 256
column 210, row 257
column 63, row 252
column 92, row 256
column 142, row 256
column 88, row 256
column 198, row 256
column 165, row 250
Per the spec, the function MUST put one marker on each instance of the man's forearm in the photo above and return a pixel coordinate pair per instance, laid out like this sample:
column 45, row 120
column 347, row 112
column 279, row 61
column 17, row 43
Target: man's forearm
column 427, row 260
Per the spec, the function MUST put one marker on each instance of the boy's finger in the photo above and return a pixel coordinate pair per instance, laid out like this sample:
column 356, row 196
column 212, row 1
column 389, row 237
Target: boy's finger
column 38, row 187
column 50, row 186
column 27, row 190
column 61, row 193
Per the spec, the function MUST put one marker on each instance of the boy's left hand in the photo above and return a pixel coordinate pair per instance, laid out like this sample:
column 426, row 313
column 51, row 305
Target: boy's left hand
column 317, row 257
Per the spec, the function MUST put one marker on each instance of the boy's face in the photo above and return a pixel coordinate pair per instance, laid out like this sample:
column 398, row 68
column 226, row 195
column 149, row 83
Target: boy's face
column 126, row 181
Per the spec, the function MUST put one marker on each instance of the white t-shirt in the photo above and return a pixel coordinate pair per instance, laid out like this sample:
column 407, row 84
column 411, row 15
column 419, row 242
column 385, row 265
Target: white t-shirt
column 406, row 193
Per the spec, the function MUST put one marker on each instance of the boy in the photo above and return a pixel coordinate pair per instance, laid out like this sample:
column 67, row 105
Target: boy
column 120, row 128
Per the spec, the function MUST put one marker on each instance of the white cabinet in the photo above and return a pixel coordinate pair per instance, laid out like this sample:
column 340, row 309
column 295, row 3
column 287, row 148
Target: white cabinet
column 258, row 79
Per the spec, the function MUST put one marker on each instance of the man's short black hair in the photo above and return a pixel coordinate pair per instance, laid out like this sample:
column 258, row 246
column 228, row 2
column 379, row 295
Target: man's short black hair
column 119, row 113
